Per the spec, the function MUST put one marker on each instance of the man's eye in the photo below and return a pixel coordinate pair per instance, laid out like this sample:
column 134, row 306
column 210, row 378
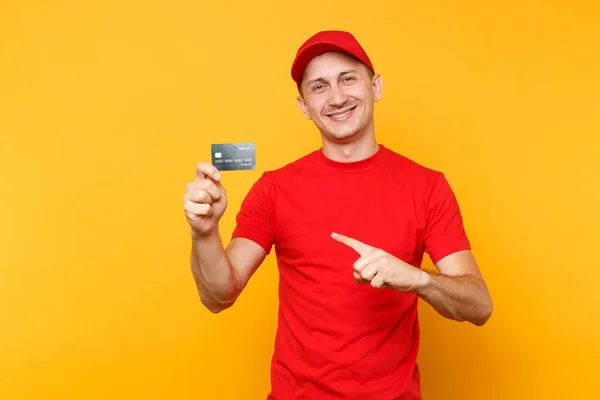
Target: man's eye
column 318, row 87
column 348, row 78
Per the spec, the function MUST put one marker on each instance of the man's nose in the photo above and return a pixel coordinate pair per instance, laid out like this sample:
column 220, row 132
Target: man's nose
column 337, row 96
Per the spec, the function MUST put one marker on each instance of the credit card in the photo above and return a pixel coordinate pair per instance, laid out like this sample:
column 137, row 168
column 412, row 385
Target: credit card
column 233, row 156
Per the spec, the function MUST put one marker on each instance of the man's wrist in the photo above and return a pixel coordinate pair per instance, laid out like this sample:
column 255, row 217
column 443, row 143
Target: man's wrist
column 423, row 282
column 204, row 237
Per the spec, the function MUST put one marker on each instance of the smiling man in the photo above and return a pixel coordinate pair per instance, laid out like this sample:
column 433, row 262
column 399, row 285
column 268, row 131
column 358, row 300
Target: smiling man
column 350, row 223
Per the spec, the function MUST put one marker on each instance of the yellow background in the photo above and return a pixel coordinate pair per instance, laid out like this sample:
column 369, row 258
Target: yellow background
column 107, row 106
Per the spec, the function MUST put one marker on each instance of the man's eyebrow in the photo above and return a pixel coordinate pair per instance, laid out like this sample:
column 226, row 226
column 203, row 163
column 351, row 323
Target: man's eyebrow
column 348, row 72
column 321, row 79
column 315, row 81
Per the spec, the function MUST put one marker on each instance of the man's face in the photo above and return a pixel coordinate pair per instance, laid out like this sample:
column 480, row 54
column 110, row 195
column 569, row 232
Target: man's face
column 338, row 94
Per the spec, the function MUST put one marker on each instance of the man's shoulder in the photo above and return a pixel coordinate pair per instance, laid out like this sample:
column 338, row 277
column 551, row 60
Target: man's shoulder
column 272, row 178
column 407, row 165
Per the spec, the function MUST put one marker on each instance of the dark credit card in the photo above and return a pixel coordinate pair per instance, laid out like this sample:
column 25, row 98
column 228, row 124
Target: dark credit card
column 233, row 156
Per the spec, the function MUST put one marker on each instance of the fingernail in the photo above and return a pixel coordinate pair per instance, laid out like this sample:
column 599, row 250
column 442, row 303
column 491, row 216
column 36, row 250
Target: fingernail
column 217, row 176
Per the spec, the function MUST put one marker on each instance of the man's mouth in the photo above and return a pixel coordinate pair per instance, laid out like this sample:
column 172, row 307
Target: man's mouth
column 342, row 115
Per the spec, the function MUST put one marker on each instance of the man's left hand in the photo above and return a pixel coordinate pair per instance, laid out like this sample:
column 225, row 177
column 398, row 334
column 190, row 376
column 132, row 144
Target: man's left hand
column 381, row 269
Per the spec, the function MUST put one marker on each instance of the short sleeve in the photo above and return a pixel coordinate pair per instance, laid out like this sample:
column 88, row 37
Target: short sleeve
column 256, row 218
column 445, row 232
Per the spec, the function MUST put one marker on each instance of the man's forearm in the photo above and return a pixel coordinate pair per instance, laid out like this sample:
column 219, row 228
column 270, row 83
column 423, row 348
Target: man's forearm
column 461, row 298
column 215, row 277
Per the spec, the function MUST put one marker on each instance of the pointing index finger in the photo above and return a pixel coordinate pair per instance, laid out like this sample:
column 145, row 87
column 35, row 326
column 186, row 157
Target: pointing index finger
column 358, row 246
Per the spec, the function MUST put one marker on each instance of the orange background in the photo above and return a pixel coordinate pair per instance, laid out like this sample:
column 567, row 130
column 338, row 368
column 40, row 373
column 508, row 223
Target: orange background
column 106, row 106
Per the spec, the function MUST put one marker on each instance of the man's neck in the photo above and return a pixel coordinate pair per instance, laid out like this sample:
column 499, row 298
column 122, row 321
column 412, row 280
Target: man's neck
column 357, row 150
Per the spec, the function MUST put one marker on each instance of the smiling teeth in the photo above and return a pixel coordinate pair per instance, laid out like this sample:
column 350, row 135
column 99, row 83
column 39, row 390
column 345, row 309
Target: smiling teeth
column 340, row 116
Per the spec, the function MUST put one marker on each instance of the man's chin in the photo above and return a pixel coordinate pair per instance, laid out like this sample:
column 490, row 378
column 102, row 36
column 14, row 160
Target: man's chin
column 343, row 136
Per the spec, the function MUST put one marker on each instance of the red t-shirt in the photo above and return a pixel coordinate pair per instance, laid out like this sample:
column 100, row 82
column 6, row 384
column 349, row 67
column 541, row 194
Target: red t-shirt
column 337, row 339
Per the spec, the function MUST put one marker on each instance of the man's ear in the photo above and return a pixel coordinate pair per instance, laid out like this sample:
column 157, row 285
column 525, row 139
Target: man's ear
column 303, row 107
column 377, row 87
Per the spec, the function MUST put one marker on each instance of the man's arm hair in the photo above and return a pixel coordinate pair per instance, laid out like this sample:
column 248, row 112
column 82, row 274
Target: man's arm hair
column 459, row 291
column 221, row 274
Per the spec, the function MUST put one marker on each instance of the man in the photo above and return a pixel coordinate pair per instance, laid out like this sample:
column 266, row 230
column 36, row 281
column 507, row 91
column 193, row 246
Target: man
column 350, row 224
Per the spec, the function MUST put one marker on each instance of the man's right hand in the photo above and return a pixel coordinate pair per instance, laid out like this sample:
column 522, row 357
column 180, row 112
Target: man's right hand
column 204, row 201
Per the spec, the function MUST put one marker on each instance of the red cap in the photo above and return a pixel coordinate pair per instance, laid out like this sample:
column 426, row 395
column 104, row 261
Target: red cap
column 324, row 42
